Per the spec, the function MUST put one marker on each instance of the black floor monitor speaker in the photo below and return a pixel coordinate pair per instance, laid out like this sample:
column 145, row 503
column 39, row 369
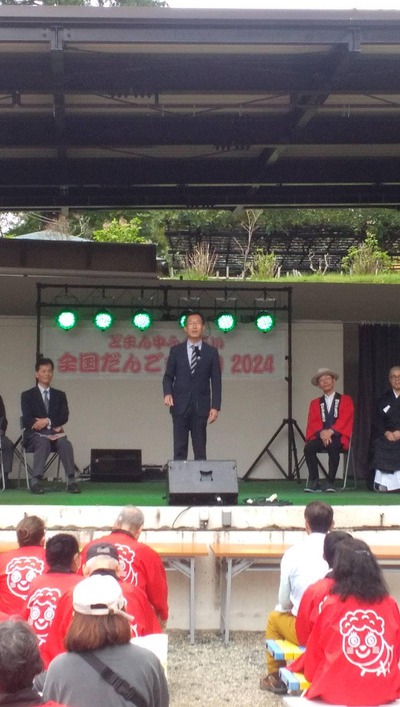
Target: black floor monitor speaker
column 116, row 465
column 202, row 483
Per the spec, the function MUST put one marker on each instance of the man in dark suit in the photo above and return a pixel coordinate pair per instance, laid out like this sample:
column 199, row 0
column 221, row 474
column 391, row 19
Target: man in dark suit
column 7, row 447
column 192, row 388
column 44, row 412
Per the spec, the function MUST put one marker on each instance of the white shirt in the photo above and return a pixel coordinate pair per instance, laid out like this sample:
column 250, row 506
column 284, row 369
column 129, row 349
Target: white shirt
column 301, row 565
column 48, row 395
column 329, row 400
column 190, row 349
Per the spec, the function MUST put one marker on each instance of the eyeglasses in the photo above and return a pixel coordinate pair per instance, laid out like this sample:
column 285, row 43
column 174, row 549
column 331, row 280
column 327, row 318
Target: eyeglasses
column 394, row 377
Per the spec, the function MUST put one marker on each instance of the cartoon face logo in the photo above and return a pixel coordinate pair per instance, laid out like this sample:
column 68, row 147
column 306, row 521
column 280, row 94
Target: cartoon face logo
column 363, row 642
column 127, row 558
column 21, row 571
column 42, row 607
column 134, row 629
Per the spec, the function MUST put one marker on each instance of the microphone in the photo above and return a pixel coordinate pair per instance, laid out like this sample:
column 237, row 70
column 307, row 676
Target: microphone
column 198, row 351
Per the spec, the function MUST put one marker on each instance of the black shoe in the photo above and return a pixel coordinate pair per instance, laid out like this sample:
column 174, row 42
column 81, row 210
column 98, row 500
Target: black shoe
column 312, row 487
column 329, row 488
column 274, row 684
column 37, row 488
column 72, row 487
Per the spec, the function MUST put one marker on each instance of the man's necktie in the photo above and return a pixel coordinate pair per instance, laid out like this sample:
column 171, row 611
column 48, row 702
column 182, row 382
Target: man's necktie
column 193, row 360
column 46, row 400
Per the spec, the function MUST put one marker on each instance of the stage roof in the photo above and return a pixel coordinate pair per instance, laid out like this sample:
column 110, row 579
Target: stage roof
column 161, row 108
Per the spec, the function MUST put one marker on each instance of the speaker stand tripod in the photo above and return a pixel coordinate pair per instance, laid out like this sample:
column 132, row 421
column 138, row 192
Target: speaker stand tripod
column 293, row 471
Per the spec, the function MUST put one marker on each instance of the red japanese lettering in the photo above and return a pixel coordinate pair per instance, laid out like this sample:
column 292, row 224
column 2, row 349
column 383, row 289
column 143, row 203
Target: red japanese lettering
column 110, row 363
column 151, row 361
column 67, row 363
column 159, row 341
column 130, row 342
column 216, row 341
column 145, row 343
column 115, row 341
column 132, row 364
column 89, row 362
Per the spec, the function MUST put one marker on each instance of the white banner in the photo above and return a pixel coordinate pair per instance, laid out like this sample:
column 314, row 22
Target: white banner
column 124, row 353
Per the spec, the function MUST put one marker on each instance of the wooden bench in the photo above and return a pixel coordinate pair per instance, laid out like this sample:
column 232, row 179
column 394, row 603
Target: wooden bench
column 296, row 683
column 281, row 649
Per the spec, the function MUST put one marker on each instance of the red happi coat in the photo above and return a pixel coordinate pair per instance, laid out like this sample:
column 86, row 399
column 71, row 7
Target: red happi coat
column 18, row 569
column 310, row 608
column 42, row 601
column 353, row 653
column 141, row 566
column 343, row 423
column 142, row 618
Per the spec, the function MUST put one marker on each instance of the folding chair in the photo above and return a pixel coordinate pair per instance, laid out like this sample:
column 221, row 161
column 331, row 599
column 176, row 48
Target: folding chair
column 3, row 476
column 22, row 456
column 348, row 458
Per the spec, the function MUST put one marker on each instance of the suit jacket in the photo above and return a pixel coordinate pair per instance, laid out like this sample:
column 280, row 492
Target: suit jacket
column 3, row 418
column 202, row 390
column 32, row 406
column 386, row 414
column 343, row 424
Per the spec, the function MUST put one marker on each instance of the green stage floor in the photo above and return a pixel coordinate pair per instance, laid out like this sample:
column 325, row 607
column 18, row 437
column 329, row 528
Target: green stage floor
column 154, row 493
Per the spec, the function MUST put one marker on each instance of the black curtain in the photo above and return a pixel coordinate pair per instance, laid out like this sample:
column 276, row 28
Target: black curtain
column 379, row 350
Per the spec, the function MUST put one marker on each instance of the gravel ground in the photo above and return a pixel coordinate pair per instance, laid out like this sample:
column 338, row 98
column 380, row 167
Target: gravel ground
column 209, row 673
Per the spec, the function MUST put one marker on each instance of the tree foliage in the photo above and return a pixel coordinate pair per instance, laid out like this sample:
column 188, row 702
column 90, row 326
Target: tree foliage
column 367, row 258
column 120, row 232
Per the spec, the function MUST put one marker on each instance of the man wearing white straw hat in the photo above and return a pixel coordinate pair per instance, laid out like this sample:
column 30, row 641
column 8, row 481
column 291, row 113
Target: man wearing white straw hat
column 329, row 429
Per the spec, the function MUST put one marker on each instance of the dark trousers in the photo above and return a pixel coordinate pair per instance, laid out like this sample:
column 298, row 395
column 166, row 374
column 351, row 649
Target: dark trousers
column 7, row 450
column 197, row 426
column 333, row 450
column 42, row 447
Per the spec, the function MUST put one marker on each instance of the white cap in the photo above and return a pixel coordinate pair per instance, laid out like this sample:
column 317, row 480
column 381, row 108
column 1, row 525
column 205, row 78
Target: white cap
column 98, row 595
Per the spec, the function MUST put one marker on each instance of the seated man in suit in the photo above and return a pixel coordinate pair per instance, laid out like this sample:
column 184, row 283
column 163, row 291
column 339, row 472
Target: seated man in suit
column 44, row 412
column 192, row 388
column 7, row 447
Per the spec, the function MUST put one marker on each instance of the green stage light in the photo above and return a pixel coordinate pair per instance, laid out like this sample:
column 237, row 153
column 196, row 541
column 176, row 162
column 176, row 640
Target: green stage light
column 103, row 319
column 66, row 319
column 265, row 321
column 142, row 319
column 226, row 321
column 182, row 318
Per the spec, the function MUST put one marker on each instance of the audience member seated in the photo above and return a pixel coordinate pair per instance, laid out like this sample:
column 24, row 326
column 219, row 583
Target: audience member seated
column 313, row 598
column 18, row 568
column 44, row 414
column 353, row 650
column 301, row 565
column 98, row 638
column 386, row 436
column 102, row 559
column 62, row 558
column 19, row 663
column 141, row 565
column 7, row 447
column 329, row 429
